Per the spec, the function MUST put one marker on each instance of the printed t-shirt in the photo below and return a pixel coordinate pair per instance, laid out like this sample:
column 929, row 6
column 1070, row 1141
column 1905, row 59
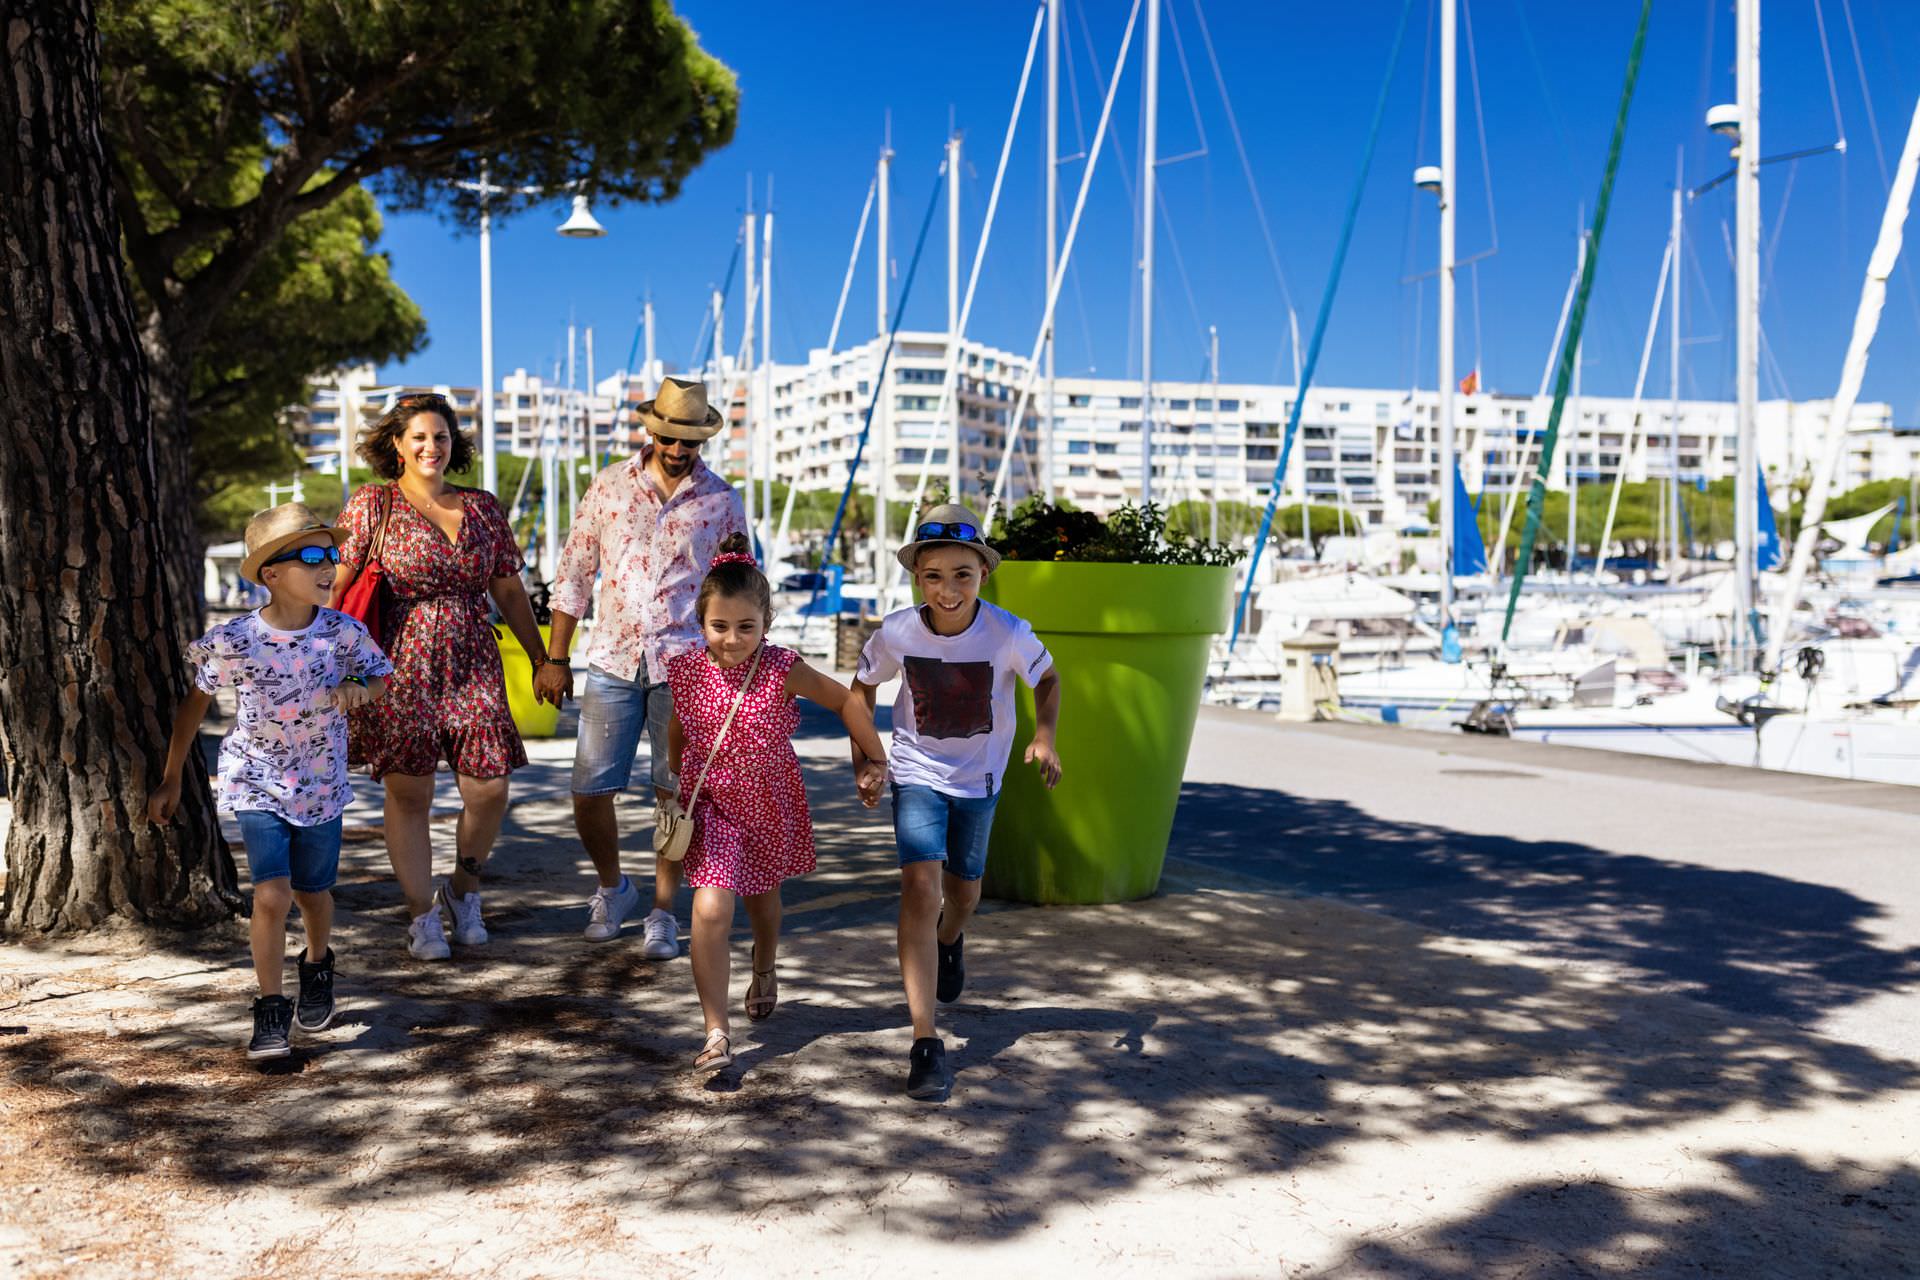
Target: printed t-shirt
column 953, row 717
column 287, row 752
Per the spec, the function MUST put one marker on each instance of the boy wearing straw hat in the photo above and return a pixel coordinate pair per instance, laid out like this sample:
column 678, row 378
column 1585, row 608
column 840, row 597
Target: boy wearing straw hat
column 957, row 658
column 295, row 666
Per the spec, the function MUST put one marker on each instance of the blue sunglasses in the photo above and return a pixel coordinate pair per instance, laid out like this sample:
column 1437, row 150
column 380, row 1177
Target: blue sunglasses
column 936, row 529
column 312, row 557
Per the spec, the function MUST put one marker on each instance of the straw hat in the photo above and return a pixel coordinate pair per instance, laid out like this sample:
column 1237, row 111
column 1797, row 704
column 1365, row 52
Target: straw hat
column 680, row 409
column 948, row 514
column 274, row 530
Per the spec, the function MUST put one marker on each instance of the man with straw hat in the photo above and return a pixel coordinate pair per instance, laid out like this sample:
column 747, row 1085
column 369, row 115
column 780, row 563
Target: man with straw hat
column 648, row 526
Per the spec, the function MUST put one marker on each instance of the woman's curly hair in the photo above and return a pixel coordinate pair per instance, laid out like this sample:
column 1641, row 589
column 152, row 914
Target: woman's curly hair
column 378, row 448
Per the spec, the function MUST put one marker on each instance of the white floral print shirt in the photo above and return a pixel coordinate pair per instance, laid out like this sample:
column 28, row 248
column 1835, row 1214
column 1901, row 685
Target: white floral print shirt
column 287, row 752
column 653, row 552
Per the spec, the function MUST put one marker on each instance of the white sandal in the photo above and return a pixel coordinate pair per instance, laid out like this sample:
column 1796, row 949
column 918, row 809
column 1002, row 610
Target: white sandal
column 712, row 1056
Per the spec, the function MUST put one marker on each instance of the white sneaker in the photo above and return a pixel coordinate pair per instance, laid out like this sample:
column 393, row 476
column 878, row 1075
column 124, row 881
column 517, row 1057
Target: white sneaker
column 663, row 935
column 607, row 908
column 426, row 940
column 468, row 928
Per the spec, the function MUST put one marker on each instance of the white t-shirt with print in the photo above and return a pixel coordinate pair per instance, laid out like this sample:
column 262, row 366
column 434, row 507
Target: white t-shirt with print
column 953, row 717
column 287, row 752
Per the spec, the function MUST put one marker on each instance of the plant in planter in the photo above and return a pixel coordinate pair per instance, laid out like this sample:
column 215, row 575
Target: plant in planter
column 1128, row 611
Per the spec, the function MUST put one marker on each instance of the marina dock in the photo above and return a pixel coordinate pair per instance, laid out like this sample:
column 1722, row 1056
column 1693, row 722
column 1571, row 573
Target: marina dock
column 1406, row 1005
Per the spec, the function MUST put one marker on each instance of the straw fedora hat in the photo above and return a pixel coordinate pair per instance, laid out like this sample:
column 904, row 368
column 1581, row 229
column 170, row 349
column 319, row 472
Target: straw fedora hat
column 680, row 409
column 274, row 530
column 947, row 514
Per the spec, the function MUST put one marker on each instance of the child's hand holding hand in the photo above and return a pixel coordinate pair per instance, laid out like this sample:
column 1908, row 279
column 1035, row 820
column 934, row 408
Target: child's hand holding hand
column 349, row 694
column 1041, row 752
column 870, row 776
column 164, row 800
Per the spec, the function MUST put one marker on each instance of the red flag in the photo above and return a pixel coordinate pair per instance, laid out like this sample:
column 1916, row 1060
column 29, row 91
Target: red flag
column 1470, row 383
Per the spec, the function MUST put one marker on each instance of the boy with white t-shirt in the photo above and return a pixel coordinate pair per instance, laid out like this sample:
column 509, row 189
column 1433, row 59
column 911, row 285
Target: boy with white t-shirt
column 957, row 658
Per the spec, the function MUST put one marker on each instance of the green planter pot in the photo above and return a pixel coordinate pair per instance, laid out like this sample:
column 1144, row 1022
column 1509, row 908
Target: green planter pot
column 1131, row 644
column 532, row 719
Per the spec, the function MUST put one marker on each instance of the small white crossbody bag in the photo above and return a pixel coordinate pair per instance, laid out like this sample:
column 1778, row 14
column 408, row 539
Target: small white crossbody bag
column 672, row 824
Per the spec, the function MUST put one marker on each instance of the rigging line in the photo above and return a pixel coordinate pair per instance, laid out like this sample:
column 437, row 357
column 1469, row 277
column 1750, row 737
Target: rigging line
column 1193, row 99
column 726, row 287
column 1546, row 90
column 880, row 383
column 1320, row 322
column 1866, row 95
column 1873, row 129
column 1779, row 224
column 1246, row 166
column 1473, row 270
column 853, row 260
column 1080, row 139
column 1486, row 157
column 1537, row 496
column 1633, row 418
column 1826, row 58
column 1179, row 261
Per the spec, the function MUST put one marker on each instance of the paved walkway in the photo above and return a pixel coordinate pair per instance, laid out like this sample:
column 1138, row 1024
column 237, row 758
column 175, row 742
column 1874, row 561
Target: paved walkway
column 1406, row 1006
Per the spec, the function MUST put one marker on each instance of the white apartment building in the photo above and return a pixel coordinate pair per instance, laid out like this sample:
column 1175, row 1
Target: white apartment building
column 819, row 409
column 1373, row 451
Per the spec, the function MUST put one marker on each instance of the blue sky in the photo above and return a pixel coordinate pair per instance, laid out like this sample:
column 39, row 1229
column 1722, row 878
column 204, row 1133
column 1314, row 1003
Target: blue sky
column 818, row 84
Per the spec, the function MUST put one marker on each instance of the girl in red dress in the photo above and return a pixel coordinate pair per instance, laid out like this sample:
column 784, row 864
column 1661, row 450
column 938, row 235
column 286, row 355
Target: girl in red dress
column 751, row 825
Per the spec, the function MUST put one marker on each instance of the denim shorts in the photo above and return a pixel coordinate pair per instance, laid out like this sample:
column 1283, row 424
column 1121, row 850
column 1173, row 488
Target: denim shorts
column 931, row 826
column 279, row 850
column 612, row 714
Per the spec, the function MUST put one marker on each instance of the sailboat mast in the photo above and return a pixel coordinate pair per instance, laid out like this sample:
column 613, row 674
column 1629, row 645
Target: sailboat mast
column 746, row 362
column 1149, row 165
column 883, row 454
column 1673, row 365
column 1053, row 218
column 1213, row 448
column 1447, row 462
column 764, row 462
column 1747, row 271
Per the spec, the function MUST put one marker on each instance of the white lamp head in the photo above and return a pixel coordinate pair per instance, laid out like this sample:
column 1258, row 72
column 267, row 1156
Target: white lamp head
column 581, row 225
column 1428, row 178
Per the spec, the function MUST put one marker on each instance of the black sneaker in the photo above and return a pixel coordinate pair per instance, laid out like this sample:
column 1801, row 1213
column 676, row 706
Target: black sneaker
column 953, row 970
column 272, row 1018
column 314, row 1012
column 927, row 1070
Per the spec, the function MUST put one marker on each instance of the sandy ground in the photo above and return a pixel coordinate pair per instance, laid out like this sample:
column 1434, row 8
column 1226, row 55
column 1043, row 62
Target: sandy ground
column 1228, row 1079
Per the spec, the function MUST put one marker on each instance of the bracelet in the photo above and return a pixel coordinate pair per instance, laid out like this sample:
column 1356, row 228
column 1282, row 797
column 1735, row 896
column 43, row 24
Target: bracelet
column 353, row 680
column 558, row 662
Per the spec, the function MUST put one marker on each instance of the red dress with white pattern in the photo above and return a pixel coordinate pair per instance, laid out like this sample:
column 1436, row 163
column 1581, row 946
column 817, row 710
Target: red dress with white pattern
column 751, row 829
column 447, row 697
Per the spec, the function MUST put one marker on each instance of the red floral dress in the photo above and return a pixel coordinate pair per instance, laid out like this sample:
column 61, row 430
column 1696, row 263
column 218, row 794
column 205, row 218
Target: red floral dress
column 751, row 828
column 446, row 698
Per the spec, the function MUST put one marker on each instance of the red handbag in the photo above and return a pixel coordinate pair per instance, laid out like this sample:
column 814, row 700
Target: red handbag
column 362, row 600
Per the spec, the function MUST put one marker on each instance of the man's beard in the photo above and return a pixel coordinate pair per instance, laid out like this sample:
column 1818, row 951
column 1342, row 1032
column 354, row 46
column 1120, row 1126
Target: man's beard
column 677, row 466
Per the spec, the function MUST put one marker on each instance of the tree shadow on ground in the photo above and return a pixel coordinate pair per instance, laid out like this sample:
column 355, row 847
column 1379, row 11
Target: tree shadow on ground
column 1749, row 942
column 1604, row 1228
column 1206, row 1036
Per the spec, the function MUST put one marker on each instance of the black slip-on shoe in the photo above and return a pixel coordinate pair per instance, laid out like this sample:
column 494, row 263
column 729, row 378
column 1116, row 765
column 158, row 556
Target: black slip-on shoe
column 953, row 970
column 272, row 1018
column 927, row 1070
column 314, row 1011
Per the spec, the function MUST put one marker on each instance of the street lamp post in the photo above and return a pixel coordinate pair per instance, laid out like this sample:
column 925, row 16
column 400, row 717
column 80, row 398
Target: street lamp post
column 581, row 224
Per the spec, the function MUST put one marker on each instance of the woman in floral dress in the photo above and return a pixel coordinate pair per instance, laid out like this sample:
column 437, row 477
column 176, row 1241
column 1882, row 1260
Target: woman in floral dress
column 445, row 551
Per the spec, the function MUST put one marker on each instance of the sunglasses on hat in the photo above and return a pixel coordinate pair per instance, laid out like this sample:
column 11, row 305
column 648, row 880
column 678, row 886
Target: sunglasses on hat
column 945, row 529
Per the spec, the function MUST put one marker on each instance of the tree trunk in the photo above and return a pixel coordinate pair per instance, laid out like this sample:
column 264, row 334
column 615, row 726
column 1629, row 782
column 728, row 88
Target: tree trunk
column 91, row 667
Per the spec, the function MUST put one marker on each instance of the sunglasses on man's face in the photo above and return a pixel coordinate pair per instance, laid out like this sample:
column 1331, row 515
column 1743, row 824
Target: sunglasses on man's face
column 312, row 557
column 675, row 442
column 937, row 529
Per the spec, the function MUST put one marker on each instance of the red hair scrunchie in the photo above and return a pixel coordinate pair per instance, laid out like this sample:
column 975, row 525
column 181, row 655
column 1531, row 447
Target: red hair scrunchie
column 733, row 557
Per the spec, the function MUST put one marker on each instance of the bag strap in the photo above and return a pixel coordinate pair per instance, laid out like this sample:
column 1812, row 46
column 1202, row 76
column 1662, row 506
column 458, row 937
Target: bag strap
column 725, row 725
column 386, row 513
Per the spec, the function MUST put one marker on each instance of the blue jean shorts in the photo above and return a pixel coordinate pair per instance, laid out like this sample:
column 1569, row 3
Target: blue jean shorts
column 281, row 850
column 612, row 714
column 932, row 826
